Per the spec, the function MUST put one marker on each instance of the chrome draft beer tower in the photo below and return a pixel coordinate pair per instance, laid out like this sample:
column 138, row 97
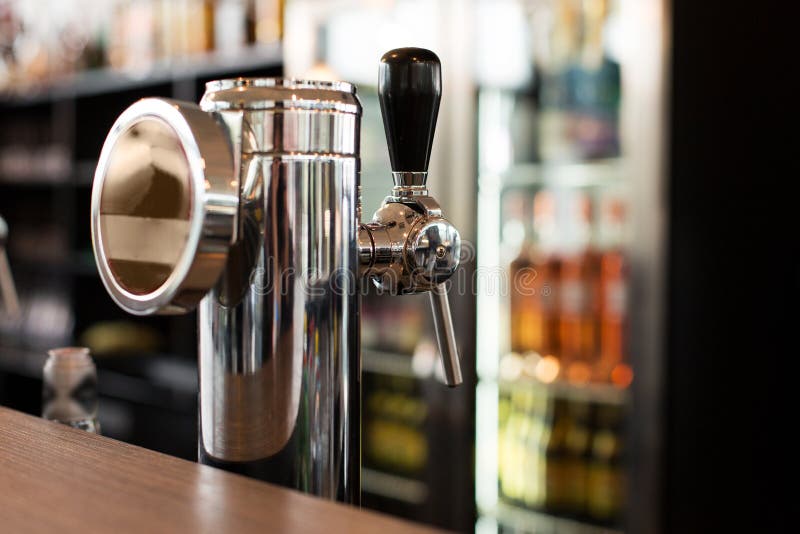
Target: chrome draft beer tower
column 247, row 208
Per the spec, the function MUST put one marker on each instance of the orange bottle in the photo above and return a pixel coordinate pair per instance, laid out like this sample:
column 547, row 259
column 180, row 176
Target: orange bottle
column 548, row 264
column 579, row 295
column 613, row 292
column 524, row 338
column 532, row 278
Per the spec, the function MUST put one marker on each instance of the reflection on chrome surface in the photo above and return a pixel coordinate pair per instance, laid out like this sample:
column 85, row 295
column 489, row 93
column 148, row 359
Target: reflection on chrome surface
column 144, row 208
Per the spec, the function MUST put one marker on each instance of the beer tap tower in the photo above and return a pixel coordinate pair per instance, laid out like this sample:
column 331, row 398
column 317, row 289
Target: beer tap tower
column 247, row 208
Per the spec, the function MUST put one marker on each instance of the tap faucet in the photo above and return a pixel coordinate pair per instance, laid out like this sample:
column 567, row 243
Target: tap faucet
column 409, row 246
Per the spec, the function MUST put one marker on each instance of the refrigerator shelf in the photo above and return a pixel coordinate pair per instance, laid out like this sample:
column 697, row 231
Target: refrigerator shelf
column 592, row 393
column 388, row 363
column 572, row 174
column 521, row 520
column 393, row 486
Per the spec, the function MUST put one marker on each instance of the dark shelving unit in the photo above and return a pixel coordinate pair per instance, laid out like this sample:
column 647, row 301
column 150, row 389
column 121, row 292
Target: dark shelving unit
column 178, row 72
column 50, row 254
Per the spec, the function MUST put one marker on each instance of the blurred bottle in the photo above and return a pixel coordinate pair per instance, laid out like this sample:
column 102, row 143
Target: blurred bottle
column 613, row 291
column 320, row 69
column 606, row 475
column 511, row 477
column 528, row 431
column 200, row 21
column 534, row 468
column 548, row 263
column 69, row 393
column 556, row 456
column 594, row 86
column 370, row 323
column 121, row 337
column 394, row 426
column 230, row 26
column 577, row 443
column 95, row 53
column 580, row 83
column 555, row 60
column 503, row 414
column 579, row 294
column 268, row 21
column 534, row 275
column 10, row 27
column 132, row 39
column 529, row 469
column 525, row 323
column 524, row 121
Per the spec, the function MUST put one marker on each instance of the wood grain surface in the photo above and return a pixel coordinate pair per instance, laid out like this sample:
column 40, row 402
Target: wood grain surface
column 57, row 479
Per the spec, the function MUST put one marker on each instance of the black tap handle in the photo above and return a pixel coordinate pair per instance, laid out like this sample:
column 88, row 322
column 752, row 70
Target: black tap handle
column 410, row 88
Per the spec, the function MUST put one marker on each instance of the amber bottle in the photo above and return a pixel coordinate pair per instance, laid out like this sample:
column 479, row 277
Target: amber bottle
column 533, row 278
column 613, row 291
column 579, row 295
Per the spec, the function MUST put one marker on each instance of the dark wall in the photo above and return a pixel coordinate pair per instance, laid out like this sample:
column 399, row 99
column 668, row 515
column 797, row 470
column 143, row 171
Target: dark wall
column 734, row 273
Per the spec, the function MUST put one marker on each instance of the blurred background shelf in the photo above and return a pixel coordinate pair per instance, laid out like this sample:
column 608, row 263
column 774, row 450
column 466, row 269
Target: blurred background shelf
column 567, row 174
column 79, row 264
column 23, row 362
column 394, row 487
column 80, row 175
column 423, row 365
column 387, row 363
column 515, row 520
column 590, row 392
column 109, row 80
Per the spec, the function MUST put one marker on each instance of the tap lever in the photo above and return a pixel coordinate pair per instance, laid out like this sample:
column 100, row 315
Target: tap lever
column 410, row 88
column 445, row 335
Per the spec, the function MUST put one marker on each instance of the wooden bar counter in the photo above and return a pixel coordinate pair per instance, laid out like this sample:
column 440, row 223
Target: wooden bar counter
column 57, row 479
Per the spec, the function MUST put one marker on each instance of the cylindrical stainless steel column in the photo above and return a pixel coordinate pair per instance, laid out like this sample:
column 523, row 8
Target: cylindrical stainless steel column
column 279, row 333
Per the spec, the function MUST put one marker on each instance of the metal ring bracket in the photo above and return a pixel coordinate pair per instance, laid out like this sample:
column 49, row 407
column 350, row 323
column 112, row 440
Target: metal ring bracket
column 164, row 206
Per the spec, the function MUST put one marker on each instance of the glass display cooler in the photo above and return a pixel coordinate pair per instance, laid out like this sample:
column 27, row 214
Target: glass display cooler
column 564, row 170
column 557, row 187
